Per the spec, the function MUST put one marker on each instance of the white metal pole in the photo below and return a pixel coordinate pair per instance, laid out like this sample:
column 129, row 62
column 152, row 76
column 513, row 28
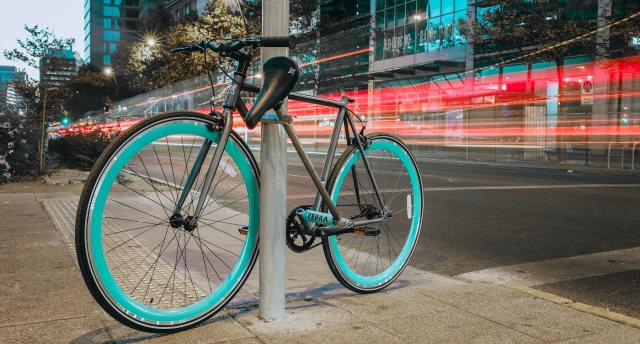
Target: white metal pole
column 273, row 182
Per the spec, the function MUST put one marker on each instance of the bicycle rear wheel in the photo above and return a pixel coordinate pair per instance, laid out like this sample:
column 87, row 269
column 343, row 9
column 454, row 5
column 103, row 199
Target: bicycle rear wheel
column 368, row 264
column 144, row 271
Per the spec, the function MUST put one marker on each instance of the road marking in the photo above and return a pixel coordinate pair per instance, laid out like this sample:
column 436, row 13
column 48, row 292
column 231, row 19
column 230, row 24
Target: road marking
column 617, row 317
column 435, row 176
column 514, row 187
column 558, row 270
column 522, row 187
column 298, row 175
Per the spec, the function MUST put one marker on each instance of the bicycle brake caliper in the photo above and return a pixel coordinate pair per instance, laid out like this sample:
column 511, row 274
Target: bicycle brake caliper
column 218, row 120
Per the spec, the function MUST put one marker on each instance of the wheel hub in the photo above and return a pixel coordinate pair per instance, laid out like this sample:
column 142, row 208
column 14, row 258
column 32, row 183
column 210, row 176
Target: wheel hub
column 188, row 224
column 370, row 212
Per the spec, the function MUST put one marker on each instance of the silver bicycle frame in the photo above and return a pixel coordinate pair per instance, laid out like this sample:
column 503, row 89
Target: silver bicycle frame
column 323, row 194
column 284, row 120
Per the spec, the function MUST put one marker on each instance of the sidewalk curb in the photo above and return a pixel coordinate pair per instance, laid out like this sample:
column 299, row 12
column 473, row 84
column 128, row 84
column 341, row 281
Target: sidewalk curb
column 575, row 168
column 617, row 317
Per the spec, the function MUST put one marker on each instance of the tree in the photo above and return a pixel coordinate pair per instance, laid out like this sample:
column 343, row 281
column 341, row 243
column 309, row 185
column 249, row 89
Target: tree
column 147, row 68
column 87, row 91
column 45, row 95
column 18, row 139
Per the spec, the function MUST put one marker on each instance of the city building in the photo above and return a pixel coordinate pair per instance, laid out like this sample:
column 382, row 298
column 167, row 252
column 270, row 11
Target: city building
column 8, row 76
column 447, row 98
column 58, row 69
column 415, row 74
column 109, row 23
column 146, row 9
column 181, row 8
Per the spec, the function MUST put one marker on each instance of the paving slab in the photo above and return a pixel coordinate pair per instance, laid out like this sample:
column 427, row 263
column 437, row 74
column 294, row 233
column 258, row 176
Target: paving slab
column 620, row 335
column 220, row 328
column 75, row 330
column 453, row 327
column 16, row 197
column 43, row 299
column 539, row 319
column 59, row 194
column 20, row 258
column 46, row 295
column 313, row 322
column 384, row 306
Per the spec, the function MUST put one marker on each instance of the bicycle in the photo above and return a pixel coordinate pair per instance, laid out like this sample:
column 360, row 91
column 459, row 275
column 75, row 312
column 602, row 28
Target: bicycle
column 162, row 245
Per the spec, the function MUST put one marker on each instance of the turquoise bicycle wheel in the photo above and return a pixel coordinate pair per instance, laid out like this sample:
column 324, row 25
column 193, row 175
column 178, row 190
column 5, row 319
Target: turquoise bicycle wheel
column 144, row 269
column 368, row 264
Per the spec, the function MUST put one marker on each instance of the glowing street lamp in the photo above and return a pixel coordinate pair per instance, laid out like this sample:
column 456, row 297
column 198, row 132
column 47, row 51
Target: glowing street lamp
column 151, row 42
column 109, row 72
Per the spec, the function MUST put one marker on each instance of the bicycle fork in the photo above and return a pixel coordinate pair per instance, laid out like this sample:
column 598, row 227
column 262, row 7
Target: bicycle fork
column 192, row 221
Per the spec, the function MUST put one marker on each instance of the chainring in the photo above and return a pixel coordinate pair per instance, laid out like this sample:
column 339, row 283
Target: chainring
column 297, row 241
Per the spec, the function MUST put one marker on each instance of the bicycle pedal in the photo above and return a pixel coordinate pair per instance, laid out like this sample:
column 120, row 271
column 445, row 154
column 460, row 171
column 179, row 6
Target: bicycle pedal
column 243, row 230
column 367, row 231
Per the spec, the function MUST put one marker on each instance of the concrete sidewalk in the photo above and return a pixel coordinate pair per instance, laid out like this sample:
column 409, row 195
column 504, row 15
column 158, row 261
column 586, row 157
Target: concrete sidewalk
column 43, row 298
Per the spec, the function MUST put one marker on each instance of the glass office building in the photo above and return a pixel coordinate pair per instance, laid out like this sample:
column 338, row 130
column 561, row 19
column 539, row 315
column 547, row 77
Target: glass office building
column 406, row 27
column 9, row 75
column 109, row 23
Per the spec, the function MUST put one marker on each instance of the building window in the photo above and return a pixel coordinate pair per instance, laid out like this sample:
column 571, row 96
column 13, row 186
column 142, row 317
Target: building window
column 178, row 14
column 110, row 11
column 187, row 8
column 111, row 36
column 406, row 27
column 107, row 59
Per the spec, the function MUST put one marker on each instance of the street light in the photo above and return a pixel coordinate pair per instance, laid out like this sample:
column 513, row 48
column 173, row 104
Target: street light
column 151, row 42
column 109, row 72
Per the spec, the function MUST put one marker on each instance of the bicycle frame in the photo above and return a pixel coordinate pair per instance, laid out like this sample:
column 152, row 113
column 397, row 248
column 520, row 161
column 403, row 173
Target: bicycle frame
column 340, row 225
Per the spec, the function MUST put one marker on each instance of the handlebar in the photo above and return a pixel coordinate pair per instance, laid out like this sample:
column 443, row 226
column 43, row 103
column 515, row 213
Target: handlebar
column 224, row 49
column 278, row 42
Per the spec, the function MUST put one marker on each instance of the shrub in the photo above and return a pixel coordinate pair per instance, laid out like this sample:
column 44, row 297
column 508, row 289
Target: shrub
column 80, row 150
column 18, row 146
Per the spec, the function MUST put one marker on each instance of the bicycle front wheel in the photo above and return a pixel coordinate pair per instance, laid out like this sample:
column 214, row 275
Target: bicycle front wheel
column 368, row 264
column 146, row 269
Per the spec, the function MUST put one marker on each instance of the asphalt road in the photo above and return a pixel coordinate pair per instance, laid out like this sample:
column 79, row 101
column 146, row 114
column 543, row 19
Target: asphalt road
column 479, row 217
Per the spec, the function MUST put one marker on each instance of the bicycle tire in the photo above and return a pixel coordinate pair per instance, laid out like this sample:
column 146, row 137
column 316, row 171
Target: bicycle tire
column 123, row 213
column 351, row 256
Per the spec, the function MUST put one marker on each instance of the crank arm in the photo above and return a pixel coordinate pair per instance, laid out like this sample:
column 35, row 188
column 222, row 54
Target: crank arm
column 329, row 231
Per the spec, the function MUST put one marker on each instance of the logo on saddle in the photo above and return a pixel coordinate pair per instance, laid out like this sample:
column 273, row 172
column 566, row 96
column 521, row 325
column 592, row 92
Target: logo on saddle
column 291, row 71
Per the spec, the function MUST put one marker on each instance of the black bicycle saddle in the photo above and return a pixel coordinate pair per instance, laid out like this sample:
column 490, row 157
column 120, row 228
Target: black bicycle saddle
column 279, row 76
